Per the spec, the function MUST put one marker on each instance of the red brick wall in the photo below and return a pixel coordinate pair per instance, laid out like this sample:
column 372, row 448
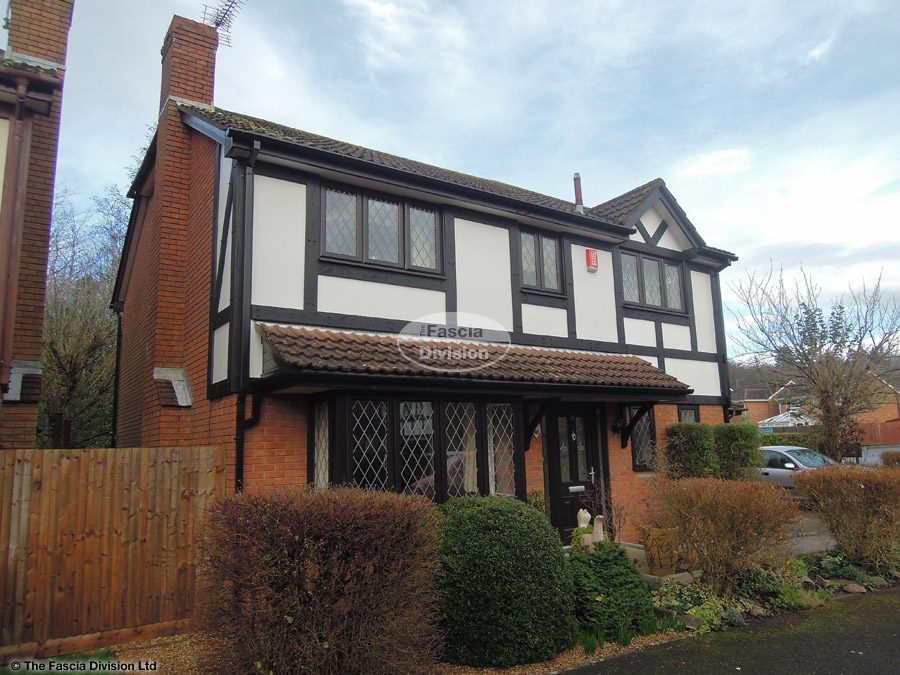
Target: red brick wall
column 634, row 491
column 38, row 28
column 275, row 450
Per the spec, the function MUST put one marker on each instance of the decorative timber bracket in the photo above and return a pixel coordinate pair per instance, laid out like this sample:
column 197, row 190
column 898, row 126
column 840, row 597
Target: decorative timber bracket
column 624, row 430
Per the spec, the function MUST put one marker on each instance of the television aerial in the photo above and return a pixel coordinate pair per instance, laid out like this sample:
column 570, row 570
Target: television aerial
column 221, row 16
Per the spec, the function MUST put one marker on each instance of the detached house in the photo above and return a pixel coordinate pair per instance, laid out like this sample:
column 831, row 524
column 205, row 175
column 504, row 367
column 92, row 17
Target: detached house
column 268, row 271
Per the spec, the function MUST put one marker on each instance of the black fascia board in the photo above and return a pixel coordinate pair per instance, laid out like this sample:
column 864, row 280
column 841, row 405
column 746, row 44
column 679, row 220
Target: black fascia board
column 242, row 144
column 289, row 375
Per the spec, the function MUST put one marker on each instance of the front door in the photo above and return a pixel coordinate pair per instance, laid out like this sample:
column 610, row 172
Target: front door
column 574, row 466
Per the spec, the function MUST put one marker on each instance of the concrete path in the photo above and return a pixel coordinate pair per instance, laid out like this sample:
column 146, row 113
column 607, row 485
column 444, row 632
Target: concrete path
column 850, row 635
column 809, row 535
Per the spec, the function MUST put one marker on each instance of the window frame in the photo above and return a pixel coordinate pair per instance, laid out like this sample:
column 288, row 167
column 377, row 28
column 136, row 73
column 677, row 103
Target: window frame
column 404, row 245
column 340, row 451
column 661, row 263
column 688, row 406
column 541, row 287
column 651, row 419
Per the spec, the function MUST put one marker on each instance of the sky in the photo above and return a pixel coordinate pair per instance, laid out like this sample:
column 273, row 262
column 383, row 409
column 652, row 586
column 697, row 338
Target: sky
column 776, row 125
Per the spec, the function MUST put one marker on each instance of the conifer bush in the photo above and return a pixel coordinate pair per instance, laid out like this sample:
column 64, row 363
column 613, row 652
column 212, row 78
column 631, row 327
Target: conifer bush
column 506, row 592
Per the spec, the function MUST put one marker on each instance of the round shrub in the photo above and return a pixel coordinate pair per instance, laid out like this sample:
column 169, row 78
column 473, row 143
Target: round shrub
column 611, row 596
column 690, row 451
column 506, row 594
column 333, row 581
column 737, row 450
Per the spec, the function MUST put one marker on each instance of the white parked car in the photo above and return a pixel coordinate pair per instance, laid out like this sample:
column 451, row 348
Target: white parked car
column 781, row 462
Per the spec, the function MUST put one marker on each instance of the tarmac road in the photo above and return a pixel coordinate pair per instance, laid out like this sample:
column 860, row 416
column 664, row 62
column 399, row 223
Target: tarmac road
column 849, row 635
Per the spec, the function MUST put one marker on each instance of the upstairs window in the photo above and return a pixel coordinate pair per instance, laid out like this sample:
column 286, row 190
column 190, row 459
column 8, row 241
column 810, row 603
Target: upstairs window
column 379, row 230
column 651, row 282
column 541, row 267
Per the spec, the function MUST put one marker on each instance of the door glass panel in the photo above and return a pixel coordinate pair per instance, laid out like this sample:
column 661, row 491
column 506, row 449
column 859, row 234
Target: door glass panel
column 565, row 471
column 582, row 449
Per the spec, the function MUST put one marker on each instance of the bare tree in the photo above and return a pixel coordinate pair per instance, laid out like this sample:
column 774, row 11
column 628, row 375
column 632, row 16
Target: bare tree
column 838, row 353
column 79, row 328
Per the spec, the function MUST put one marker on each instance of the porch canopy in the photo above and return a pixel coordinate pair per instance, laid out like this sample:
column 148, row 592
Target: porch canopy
column 305, row 355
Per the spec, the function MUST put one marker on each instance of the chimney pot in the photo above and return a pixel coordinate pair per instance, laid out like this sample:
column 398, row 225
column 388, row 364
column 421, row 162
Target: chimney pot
column 579, row 201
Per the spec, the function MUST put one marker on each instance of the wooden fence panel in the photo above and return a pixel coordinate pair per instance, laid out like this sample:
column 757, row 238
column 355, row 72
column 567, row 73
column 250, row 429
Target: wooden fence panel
column 99, row 542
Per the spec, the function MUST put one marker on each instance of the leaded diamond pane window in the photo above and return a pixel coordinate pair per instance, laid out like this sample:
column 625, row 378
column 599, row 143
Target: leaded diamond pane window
column 462, row 463
column 643, row 444
column 529, row 259
column 417, row 448
column 673, row 288
column 500, row 434
column 384, row 231
column 652, row 295
column 320, row 479
column 630, row 283
column 369, row 451
column 423, row 238
column 340, row 223
column 551, row 263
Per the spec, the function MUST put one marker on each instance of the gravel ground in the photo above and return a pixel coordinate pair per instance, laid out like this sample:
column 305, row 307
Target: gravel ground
column 198, row 653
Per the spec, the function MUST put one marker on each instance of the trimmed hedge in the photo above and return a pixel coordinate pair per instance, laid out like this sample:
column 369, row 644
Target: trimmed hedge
column 611, row 596
column 737, row 450
column 861, row 506
column 690, row 451
column 727, row 523
column 332, row 581
column 809, row 439
column 506, row 592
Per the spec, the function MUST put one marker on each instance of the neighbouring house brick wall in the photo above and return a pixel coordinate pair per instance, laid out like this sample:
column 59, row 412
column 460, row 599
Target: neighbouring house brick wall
column 37, row 28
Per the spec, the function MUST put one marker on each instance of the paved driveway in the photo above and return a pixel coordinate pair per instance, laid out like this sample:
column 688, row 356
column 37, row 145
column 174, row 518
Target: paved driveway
column 850, row 635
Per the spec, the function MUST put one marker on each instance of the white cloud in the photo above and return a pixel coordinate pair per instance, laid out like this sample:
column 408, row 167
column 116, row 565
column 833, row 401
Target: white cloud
column 821, row 50
column 718, row 162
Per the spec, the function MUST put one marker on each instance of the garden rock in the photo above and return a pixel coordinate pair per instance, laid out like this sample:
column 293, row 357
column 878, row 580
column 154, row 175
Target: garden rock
column 808, row 583
column 853, row 588
column 690, row 622
column 879, row 581
column 756, row 612
column 821, row 582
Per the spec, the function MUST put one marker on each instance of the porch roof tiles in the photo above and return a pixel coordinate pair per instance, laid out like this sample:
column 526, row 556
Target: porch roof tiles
column 340, row 351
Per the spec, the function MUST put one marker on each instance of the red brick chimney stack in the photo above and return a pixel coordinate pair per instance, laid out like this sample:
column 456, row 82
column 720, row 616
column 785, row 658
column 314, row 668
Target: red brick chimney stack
column 188, row 61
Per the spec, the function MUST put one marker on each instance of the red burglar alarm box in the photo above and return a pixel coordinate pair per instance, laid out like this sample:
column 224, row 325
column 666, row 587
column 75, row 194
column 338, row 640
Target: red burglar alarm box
column 592, row 260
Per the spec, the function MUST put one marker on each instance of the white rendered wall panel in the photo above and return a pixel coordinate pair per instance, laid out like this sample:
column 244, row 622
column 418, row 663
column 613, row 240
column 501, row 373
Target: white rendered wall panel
column 640, row 332
column 220, row 353
column 483, row 273
column 279, row 242
column 703, row 312
column 540, row 320
column 374, row 299
column 595, row 297
column 701, row 376
column 676, row 337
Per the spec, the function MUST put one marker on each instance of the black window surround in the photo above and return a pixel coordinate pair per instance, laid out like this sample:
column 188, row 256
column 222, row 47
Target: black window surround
column 540, row 262
column 439, row 448
column 652, row 283
column 361, row 228
column 643, row 440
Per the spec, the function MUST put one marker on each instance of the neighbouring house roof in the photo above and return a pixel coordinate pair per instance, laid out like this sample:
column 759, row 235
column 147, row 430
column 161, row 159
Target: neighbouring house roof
column 350, row 352
column 792, row 418
column 228, row 120
column 756, row 395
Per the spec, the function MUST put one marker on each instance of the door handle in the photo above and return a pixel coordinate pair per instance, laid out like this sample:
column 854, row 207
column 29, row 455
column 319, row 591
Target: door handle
column 765, row 473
